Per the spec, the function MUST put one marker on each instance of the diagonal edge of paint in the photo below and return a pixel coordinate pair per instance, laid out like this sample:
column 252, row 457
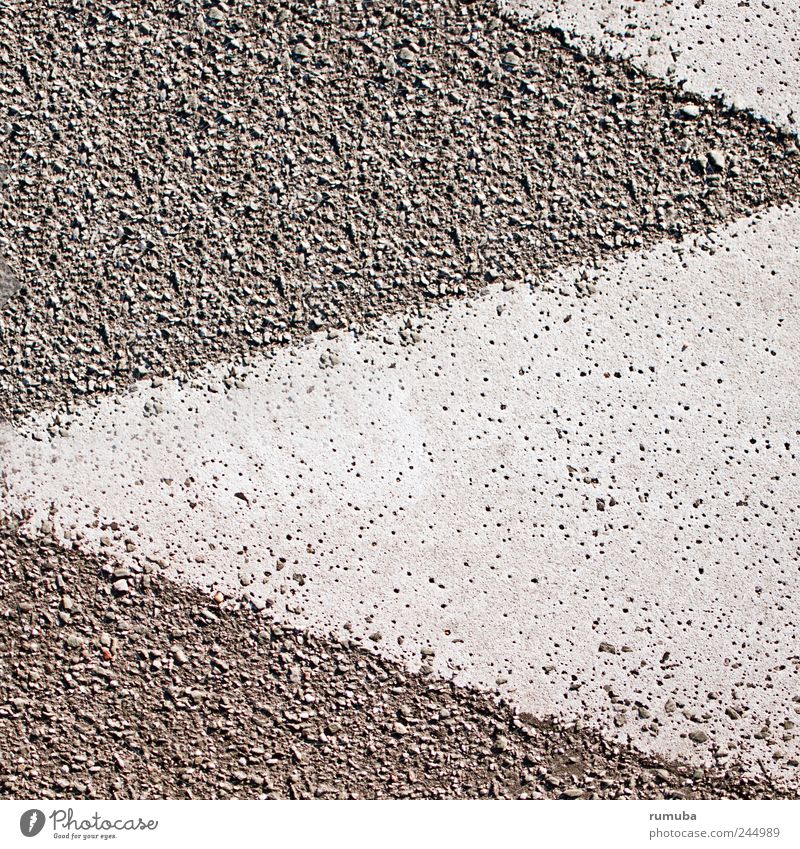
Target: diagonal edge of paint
column 438, row 501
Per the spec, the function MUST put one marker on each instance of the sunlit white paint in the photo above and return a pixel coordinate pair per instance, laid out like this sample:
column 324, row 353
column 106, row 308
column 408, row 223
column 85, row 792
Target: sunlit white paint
column 746, row 52
column 444, row 496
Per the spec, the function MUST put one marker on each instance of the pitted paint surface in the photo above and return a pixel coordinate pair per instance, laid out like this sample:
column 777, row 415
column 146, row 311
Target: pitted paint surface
column 745, row 51
column 587, row 503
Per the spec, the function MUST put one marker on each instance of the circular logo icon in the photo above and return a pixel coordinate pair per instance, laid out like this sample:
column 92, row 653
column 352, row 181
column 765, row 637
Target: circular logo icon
column 31, row 822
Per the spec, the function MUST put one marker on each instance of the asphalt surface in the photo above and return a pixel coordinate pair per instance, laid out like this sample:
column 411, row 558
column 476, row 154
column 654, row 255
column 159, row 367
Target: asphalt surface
column 193, row 197
column 164, row 693
column 579, row 501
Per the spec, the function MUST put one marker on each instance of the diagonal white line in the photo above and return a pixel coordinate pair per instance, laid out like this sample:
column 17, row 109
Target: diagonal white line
column 745, row 52
column 589, row 504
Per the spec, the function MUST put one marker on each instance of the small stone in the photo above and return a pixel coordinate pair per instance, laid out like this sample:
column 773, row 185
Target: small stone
column 716, row 159
column 572, row 793
column 301, row 51
column 698, row 736
column 406, row 55
column 501, row 743
column 689, row 110
column 607, row 647
column 121, row 586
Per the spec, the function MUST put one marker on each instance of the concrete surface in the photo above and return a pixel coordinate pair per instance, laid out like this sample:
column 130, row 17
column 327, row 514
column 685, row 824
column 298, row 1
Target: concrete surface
column 589, row 504
column 745, row 51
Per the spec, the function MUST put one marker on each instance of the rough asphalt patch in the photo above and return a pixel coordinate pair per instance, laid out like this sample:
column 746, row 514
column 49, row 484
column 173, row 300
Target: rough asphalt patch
column 187, row 185
column 163, row 693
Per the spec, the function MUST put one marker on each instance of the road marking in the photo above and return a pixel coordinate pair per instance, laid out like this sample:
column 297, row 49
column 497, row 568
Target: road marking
column 589, row 504
column 745, row 52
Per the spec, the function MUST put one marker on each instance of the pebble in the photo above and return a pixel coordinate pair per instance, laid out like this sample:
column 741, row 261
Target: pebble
column 301, row 51
column 572, row 793
column 717, row 159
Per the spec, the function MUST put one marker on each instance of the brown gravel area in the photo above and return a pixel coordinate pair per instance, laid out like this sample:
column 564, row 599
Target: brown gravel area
column 182, row 182
column 160, row 692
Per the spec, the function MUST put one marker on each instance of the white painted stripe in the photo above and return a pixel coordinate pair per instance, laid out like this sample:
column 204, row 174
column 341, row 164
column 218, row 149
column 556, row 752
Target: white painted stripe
column 538, row 476
column 746, row 52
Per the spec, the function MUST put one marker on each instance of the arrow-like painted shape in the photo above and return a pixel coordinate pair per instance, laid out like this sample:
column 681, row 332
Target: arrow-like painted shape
column 590, row 504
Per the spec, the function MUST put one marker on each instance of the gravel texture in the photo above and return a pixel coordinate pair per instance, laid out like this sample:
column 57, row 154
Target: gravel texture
column 120, row 685
column 589, row 503
column 184, row 183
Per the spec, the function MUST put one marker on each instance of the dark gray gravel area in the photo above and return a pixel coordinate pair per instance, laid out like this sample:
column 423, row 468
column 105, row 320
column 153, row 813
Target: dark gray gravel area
column 183, row 183
column 152, row 690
